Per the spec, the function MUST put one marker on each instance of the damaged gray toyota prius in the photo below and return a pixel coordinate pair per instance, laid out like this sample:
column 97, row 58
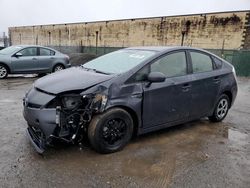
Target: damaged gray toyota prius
column 128, row 92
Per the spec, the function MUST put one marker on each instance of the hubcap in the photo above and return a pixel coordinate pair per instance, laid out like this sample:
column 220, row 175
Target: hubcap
column 58, row 68
column 222, row 108
column 3, row 72
column 113, row 131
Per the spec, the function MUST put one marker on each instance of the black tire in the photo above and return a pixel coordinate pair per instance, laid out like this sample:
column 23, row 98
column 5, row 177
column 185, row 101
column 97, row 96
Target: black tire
column 3, row 71
column 41, row 75
column 58, row 67
column 221, row 109
column 111, row 131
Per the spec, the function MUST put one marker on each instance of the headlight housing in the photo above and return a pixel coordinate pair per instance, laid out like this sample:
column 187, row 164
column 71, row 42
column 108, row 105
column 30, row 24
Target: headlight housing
column 96, row 102
column 70, row 102
column 99, row 102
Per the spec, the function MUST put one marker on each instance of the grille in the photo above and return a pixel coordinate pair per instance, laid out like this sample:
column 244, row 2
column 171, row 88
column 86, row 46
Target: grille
column 32, row 105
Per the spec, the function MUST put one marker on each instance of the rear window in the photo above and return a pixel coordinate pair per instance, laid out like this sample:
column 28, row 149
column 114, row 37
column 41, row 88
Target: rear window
column 201, row 62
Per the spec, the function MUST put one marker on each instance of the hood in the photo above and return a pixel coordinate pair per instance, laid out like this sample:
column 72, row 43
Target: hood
column 75, row 78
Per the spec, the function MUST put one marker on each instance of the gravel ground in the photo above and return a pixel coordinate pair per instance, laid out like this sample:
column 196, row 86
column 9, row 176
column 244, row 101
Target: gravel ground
column 196, row 154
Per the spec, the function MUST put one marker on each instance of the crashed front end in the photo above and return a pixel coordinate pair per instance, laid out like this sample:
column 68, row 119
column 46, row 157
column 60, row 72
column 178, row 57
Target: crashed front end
column 62, row 117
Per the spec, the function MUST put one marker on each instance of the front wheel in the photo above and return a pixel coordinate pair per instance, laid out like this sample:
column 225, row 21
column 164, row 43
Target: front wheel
column 3, row 71
column 111, row 131
column 221, row 109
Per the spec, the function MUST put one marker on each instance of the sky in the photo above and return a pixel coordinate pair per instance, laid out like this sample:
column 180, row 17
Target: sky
column 38, row 12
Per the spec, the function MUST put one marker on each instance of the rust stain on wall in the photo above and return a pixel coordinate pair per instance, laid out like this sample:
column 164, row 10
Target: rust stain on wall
column 234, row 19
column 201, row 30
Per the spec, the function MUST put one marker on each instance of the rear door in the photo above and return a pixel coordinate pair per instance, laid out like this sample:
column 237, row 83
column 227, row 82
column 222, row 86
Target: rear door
column 205, row 83
column 25, row 63
column 45, row 59
column 167, row 101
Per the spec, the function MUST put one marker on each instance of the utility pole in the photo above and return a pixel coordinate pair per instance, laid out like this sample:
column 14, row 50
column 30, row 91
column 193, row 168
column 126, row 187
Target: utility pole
column 5, row 40
column 183, row 33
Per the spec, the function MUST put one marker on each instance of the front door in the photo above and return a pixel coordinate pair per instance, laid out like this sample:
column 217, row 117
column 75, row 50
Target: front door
column 168, row 101
column 25, row 63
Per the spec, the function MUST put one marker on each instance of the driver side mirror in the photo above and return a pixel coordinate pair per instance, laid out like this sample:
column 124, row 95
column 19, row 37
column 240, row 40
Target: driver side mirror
column 156, row 77
column 18, row 55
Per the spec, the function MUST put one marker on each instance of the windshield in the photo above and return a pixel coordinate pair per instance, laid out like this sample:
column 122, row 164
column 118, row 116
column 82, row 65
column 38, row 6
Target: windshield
column 10, row 50
column 119, row 61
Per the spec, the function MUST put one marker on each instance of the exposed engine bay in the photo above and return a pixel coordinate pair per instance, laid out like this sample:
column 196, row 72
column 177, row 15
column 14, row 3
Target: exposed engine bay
column 74, row 113
column 67, row 117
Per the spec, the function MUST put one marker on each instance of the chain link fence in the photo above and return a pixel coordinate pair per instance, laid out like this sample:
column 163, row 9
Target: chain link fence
column 239, row 58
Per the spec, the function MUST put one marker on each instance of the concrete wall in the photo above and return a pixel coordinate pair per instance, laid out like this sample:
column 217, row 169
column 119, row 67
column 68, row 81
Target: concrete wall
column 246, row 33
column 213, row 31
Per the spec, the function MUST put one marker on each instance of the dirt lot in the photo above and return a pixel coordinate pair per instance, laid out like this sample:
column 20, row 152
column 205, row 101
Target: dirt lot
column 197, row 154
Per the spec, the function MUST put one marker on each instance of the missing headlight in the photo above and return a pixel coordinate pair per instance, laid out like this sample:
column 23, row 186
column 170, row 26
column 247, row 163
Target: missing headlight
column 71, row 101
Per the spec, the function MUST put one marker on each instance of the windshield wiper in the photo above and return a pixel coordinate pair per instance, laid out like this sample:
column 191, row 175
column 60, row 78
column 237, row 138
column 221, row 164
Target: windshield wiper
column 97, row 71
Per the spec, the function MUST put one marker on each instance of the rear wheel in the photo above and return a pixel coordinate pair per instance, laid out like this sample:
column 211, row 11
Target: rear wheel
column 221, row 109
column 111, row 131
column 58, row 67
column 3, row 71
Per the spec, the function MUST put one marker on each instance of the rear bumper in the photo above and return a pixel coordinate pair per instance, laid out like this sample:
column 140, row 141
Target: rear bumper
column 234, row 92
column 68, row 65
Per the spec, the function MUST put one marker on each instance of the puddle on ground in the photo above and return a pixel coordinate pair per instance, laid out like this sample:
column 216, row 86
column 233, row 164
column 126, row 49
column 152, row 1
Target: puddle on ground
column 237, row 137
column 6, row 101
column 14, row 81
column 151, row 160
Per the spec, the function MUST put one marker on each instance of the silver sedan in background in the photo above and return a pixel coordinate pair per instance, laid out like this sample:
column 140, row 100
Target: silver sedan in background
column 27, row 59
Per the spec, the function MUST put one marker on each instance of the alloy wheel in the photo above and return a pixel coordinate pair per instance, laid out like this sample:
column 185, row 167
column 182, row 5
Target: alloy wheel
column 114, row 131
column 3, row 71
column 222, row 108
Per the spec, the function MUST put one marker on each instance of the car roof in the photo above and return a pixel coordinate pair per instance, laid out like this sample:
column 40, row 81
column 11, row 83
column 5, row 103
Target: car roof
column 163, row 48
column 26, row 45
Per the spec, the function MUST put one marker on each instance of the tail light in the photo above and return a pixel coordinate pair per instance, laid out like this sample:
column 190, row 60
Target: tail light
column 66, row 57
column 234, row 72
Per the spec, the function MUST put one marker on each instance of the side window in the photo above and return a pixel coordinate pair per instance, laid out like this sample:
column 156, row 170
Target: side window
column 174, row 64
column 29, row 52
column 201, row 62
column 171, row 65
column 46, row 52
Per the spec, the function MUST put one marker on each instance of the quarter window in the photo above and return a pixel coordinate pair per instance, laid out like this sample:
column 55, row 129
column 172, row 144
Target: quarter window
column 171, row 65
column 217, row 62
column 201, row 62
column 29, row 52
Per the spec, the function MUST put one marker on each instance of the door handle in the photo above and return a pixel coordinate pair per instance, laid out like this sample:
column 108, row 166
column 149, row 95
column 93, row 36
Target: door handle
column 185, row 87
column 136, row 95
column 34, row 58
column 216, row 79
column 52, row 58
